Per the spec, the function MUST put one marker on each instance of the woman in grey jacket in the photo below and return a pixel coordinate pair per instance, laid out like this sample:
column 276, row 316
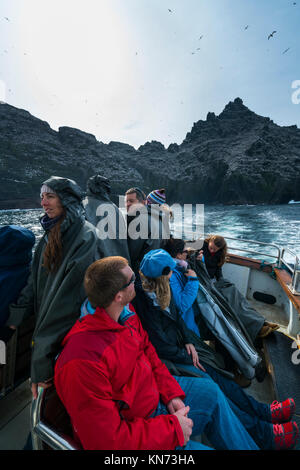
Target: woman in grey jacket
column 54, row 291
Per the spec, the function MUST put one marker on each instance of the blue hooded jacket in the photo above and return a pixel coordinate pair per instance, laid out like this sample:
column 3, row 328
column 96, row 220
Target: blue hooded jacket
column 185, row 290
column 16, row 245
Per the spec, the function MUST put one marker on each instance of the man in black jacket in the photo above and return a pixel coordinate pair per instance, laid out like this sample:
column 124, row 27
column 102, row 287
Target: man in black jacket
column 147, row 226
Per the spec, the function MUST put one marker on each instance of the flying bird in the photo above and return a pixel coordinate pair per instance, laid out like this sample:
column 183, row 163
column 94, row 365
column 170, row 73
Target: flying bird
column 6, row 18
column 286, row 50
column 246, row 27
column 272, row 34
column 200, row 37
column 169, row 10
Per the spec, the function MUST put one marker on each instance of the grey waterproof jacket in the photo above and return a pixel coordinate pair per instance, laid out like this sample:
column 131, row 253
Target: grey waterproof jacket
column 106, row 217
column 224, row 322
column 55, row 298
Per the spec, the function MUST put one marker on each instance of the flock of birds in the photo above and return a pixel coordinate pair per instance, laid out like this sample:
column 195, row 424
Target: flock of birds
column 246, row 27
column 271, row 35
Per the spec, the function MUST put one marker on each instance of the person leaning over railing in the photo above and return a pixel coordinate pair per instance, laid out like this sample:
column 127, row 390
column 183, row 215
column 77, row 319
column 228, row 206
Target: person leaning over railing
column 214, row 254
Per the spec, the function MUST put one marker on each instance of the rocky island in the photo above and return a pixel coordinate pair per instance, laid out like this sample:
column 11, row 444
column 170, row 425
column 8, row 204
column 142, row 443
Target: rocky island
column 237, row 157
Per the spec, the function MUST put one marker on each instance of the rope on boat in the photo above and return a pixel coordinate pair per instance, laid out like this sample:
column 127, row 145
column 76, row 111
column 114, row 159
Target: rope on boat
column 263, row 263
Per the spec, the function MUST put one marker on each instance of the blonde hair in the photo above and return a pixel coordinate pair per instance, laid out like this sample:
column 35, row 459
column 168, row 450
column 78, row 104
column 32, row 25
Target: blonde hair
column 161, row 286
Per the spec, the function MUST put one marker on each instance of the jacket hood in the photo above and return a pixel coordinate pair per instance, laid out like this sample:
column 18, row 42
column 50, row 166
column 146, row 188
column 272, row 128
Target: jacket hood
column 98, row 321
column 16, row 245
column 70, row 195
column 98, row 185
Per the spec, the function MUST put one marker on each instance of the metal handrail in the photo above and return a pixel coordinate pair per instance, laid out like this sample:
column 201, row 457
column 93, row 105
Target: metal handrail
column 282, row 261
column 295, row 270
column 43, row 433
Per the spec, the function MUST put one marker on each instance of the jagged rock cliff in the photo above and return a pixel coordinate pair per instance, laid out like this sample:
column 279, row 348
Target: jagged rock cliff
column 235, row 158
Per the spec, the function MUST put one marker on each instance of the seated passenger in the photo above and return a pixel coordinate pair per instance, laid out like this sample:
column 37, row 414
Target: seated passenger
column 182, row 351
column 118, row 393
column 16, row 245
column 147, row 226
column 203, row 308
column 54, row 290
column 106, row 217
column 214, row 251
column 158, row 196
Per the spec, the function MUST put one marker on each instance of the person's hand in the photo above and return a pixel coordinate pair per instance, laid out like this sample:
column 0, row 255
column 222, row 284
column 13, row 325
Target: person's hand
column 199, row 256
column 34, row 387
column 190, row 273
column 174, row 405
column 192, row 351
column 186, row 423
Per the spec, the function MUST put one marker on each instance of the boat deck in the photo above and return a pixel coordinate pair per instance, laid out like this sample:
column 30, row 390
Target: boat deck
column 15, row 418
column 15, row 407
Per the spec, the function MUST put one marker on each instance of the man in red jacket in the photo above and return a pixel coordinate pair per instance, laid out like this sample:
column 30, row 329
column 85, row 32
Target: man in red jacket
column 118, row 393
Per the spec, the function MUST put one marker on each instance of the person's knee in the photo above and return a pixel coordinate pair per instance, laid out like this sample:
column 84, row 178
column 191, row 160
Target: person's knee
column 206, row 386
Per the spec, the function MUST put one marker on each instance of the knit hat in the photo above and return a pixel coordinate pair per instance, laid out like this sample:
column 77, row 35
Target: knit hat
column 157, row 196
column 46, row 189
column 157, row 263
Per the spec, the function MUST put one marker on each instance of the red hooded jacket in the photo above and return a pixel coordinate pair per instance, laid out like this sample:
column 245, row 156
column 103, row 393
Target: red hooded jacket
column 110, row 380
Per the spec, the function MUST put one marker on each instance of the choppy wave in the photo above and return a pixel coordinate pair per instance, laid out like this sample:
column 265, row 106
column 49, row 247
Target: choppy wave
column 279, row 225
column 276, row 225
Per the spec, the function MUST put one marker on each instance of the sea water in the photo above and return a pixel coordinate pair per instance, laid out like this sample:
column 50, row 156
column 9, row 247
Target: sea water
column 273, row 225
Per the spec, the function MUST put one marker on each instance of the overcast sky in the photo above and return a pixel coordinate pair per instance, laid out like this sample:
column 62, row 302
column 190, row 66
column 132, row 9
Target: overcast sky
column 140, row 70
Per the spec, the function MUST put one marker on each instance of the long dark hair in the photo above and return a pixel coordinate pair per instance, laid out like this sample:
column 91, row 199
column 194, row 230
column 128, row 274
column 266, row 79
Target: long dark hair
column 220, row 243
column 174, row 246
column 53, row 253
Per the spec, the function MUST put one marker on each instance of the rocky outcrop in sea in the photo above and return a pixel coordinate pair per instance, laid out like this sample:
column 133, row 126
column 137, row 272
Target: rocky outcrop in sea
column 237, row 157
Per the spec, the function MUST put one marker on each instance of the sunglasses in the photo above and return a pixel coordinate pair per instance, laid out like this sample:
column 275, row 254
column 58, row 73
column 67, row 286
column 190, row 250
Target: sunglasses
column 132, row 279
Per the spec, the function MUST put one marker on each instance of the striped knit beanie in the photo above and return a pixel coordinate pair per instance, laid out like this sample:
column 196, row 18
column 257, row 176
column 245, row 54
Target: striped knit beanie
column 157, row 196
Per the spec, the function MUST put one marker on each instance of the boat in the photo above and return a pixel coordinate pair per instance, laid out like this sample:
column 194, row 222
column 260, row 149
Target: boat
column 272, row 287
column 293, row 202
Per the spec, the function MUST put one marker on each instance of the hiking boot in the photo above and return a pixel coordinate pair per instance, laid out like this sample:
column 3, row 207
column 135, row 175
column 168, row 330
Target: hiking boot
column 260, row 370
column 285, row 435
column 282, row 412
column 241, row 380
